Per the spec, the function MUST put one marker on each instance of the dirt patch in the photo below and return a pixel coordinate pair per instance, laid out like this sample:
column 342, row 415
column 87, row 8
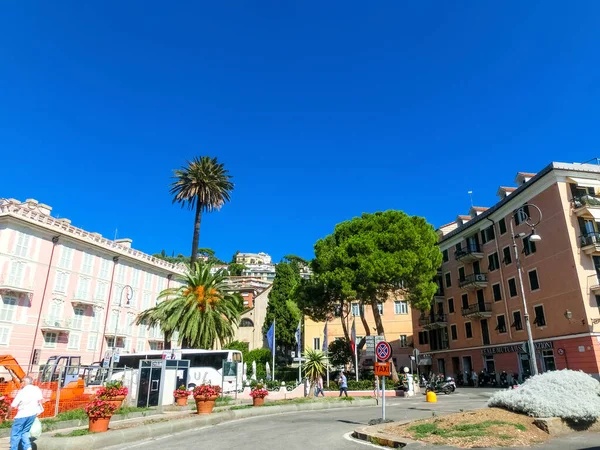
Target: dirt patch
column 484, row 428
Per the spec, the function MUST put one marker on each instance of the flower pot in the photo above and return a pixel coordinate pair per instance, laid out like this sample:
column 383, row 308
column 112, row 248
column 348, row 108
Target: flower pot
column 181, row 401
column 205, row 405
column 99, row 425
column 258, row 401
column 117, row 400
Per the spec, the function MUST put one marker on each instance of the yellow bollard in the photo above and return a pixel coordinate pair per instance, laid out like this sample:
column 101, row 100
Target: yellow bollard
column 431, row 397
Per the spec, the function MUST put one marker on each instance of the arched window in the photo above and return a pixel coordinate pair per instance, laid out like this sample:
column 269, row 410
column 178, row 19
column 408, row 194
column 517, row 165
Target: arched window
column 246, row 323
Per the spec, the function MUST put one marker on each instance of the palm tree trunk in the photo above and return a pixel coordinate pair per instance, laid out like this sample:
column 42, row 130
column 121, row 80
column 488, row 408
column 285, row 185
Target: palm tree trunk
column 166, row 341
column 196, row 236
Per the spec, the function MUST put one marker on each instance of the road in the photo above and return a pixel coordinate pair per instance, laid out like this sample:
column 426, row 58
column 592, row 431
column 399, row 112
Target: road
column 331, row 428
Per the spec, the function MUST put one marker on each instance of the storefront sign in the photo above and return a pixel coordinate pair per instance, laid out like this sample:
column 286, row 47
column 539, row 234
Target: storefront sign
column 520, row 348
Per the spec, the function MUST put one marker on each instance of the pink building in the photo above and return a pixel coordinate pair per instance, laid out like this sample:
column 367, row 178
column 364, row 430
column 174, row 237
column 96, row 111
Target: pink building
column 63, row 289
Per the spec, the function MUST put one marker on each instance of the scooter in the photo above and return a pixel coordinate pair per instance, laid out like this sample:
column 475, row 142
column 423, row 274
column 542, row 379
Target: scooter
column 504, row 379
column 447, row 387
column 492, row 379
column 483, row 379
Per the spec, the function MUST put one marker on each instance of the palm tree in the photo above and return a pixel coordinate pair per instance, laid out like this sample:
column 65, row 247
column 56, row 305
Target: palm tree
column 201, row 310
column 204, row 185
column 314, row 367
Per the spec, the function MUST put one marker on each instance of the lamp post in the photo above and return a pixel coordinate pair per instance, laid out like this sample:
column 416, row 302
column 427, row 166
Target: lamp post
column 129, row 296
column 533, row 237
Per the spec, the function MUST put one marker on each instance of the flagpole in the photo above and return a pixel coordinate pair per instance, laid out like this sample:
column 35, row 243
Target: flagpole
column 299, row 352
column 327, row 352
column 274, row 350
column 355, row 360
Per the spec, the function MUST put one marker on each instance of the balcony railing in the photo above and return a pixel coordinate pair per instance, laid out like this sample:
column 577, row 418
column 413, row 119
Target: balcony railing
column 586, row 200
column 478, row 309
column 22, row 286
column 592, row 238
column 55, row 324
column 471, row 252
column 438, row 320
column 474, row 279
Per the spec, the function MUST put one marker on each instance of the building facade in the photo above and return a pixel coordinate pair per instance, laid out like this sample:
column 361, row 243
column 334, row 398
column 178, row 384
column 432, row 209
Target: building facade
column 265, row 272
column 252, row 258
column 477, row 319
column 397, row 322
column 65, row 291
column 250, row 329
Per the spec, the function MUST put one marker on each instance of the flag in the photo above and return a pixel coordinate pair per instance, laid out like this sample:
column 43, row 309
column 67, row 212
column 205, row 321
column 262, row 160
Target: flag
column 325, row 337
column 298, row 337
column 271, row 336
column 353, row 336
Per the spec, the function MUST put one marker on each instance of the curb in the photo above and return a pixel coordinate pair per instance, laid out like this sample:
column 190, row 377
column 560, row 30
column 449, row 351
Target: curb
column 162, row 427
column 375, row 435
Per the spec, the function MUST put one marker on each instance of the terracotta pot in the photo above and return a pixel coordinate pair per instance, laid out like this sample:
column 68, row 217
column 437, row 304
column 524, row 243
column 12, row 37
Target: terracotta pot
column 205, row 405
column 117, row 400
column 258, row 401
column 99, row 425
column 181, row 401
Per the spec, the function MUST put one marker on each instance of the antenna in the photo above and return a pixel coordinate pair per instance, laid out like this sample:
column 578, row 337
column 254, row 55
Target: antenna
column 471, row 197
column 116, row 232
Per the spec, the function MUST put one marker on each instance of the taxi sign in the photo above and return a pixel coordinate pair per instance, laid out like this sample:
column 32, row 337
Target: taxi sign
column 382, row 369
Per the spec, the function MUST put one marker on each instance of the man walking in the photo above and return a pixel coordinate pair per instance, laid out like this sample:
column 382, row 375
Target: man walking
column 343, row 384
column 29, row 403
column 319, row 388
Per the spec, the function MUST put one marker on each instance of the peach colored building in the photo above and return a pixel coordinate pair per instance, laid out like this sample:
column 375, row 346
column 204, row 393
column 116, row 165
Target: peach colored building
column 477, row 320
column 61, row 288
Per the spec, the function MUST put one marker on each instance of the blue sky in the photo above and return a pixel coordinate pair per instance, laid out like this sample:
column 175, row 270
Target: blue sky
column 320, row 110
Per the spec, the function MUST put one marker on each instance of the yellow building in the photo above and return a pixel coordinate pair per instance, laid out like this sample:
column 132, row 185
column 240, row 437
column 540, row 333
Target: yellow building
column 397, row 324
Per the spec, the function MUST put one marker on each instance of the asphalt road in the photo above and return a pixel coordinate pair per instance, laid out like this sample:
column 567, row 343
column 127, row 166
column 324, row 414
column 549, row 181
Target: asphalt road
column 331, row 428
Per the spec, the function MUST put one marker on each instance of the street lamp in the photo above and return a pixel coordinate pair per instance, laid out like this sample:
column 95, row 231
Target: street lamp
column 533, row 237
column 129, row 296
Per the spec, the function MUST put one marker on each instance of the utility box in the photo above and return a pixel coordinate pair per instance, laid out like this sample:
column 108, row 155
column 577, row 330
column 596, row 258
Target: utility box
column 158, row 378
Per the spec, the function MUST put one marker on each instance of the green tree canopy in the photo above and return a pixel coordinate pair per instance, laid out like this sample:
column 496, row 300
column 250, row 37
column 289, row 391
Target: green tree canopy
column 235, row 269
column 340, row 352
column 210, row 254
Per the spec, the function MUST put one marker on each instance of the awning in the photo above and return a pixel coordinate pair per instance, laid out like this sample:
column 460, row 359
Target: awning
column 595, row 213
column 425, row 361
column 584, row 182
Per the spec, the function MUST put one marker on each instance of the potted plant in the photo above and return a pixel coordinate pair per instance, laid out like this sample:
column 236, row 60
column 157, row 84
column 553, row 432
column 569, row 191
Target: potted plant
column 114, row 392
column 205, row 396
column 258, row 394
column 4, row 408
column 99, row 412
column 181, row 395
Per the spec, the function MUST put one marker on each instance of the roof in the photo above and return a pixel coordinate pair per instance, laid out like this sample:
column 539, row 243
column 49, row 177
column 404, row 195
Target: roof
column 480, row 208
column 464, row 217
column 526, row 174
column 509, row 189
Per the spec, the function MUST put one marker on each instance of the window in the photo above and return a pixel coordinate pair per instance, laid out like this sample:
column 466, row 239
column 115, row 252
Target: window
column 22, row 247
column 403, row 341
column 534, row 283
column 155, row 345
column 140, row 346
column 83, row 287
column 445, row 257
column 521, row 214
column 145, row 301
column 142, row 330
column 506, row 256
column 461, row 274
column 55, row 311
column 400, row 307
column 317, row 343
column 8, row 309
column 457, row 248
column 598, row 301
column 104, row 269
column 66, row 258
column 502, row 225
column 355, row 311
column 493, row 262
column 92, row 342
column 77, row 322
column 129, row 323
column 423, row 338
column 465, row 301
column 448, row 280
column 100, row 291
column 512, row 287
column 488, row 234
column 121, row 273
column 501, row 324
column 87, row 264
column 528, row 246
column 450, row 305
column 50, row 339
column 468, row 330
column 95, row 322
column 135, row 277
column 17, row 270
column 114, row 319
column 61, row 281
column 517, row 321
column 4, row 335
column 540, row 319
column 380, row 308
column 497, row 292
column 548, row 358
column 453, row 332
column 148, row 282
column 74, row 340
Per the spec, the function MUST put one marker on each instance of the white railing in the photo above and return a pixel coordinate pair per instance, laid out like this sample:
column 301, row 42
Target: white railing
column 22, row 285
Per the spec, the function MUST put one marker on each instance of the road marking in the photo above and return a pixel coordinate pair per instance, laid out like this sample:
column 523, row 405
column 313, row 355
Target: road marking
column 348, row 437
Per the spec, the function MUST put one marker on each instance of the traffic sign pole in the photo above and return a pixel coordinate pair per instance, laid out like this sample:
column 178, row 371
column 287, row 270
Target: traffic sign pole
column 383, row 398
column 383, row 352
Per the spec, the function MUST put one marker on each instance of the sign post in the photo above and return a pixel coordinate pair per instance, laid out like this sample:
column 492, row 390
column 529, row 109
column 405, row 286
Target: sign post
column 383, row 352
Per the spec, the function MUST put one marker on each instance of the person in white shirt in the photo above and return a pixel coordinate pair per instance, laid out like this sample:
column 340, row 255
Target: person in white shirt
column 29, row 403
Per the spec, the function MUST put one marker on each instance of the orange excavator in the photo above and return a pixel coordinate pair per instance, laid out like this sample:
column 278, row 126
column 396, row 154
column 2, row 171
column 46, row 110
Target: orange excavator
column 60, row 380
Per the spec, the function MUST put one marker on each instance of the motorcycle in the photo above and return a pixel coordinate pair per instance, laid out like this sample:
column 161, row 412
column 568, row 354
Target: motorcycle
column 504, row 379
column 423, row 381
column 492, row 379
column 483, row 379
column 446, row 386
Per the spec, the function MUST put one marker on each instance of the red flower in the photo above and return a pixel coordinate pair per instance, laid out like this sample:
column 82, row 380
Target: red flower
column 4, row 406
column 99, row 409
column 258, row 392
column 204, row 391
column 181, row 392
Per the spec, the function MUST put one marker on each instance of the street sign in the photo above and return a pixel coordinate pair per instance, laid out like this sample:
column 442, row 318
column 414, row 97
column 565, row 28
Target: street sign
column 299, row 359
column 383, row 351
column 117, row 355
column 560, row 351
column 382, row 369
column 416, row 352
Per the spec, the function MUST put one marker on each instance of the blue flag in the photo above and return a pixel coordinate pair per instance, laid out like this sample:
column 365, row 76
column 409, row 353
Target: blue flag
column 325, row 337
column 271, row 336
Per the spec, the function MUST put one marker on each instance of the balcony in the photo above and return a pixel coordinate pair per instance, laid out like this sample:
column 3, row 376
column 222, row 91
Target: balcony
column 478, row 311
column 83, row 299
column 432, row 323
column 586, row 205
column 590, row 243
column 472, row 252
column 9, row 284
column 54, row 324
column 120, row 332
column 474, row 281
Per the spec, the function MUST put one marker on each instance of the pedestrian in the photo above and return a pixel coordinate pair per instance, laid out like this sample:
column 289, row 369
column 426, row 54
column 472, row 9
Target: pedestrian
column 319, row 387
column 343, row 382
column 28, row 401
